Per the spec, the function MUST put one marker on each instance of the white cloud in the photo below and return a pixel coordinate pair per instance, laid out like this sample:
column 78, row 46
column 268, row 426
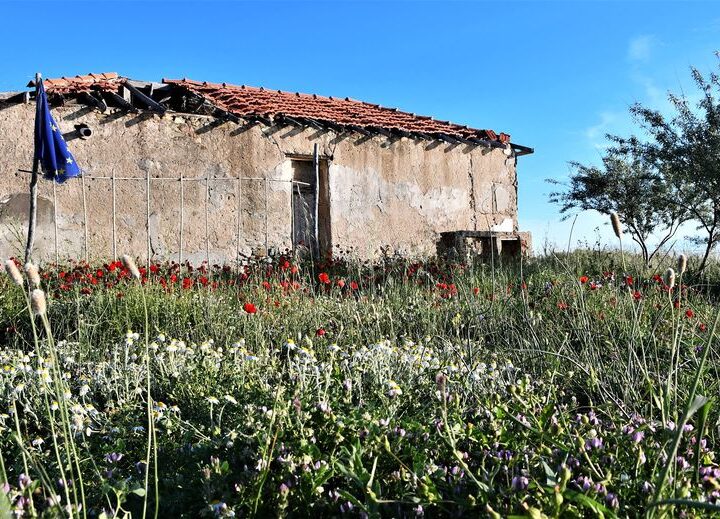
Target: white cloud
column 596, row 133
column 641, row 47
column 653, row 96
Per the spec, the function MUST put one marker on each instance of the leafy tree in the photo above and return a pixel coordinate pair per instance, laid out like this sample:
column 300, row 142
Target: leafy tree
column 631, row 187
column 685, row 149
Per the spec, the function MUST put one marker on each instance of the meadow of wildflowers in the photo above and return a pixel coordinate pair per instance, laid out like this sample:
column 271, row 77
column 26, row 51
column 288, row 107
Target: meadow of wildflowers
column 581, row 386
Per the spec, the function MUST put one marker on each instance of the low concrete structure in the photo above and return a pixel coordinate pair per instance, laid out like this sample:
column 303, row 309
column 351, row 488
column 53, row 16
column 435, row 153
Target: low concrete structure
column 211, row 171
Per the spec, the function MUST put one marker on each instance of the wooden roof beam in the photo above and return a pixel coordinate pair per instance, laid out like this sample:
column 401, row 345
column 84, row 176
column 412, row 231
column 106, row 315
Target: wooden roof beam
column 95, row 100
column 147, row 100
column 120, row 101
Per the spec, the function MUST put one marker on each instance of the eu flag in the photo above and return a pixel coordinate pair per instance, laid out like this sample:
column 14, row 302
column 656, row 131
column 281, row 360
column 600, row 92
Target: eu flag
column 55, row 159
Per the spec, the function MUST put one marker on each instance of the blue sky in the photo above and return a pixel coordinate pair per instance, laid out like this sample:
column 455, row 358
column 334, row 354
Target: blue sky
column 555, row 75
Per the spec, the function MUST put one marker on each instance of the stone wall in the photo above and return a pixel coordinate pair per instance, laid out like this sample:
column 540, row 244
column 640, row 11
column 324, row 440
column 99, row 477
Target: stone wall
column 398, row 194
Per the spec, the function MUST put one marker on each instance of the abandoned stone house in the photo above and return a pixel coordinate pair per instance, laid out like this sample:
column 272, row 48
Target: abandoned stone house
column 189, row 170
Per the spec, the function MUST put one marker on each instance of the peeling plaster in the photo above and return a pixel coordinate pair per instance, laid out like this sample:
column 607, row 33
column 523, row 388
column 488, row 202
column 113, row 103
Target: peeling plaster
column 398, row 194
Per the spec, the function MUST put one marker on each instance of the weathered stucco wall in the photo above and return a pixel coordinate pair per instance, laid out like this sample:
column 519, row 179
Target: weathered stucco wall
column 398, row 194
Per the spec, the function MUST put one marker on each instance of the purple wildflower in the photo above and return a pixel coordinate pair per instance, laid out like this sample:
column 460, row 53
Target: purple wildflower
column 611, row 500
column 638, row 436
column 519, row 483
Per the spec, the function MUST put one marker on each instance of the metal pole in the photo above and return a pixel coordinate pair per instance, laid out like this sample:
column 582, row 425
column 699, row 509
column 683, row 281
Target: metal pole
column 266, row 216
column 182, row 217
column 85, row 218
column 114, row 229
column 316, row 165
column 147, row 214
column 32, row 219
column 207, row 218
column 57, row 253
column 239, row 220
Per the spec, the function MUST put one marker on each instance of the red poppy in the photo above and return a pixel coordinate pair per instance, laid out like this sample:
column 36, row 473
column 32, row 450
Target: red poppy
column 562, row 305
column 629, row 280
column 99, row 274
column 187, row 283
column 689, row 313
column 324, row 278
column 476, row 290
column 320, row 332
column 353, row 285
column 154, row 269
column 637, row 295
column 702, row 327
column 584, row 279
column 266, row 285
column 249, row 308
column 341, row 283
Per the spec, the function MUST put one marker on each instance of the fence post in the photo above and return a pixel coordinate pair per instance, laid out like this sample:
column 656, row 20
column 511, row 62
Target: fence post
column 114, row 228
column 239, row 220
column 207, row 217
column 182, row 218
column 147, row 213
column 266, row 215
column 85, row 218
column 57, row 253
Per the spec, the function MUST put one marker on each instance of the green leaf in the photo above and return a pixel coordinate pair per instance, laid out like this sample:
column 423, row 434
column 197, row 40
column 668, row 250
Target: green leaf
column 550, row 477
column 697, row 403
column 5, row 505
column 589, row 503
column 138, row 492
column 700, row 505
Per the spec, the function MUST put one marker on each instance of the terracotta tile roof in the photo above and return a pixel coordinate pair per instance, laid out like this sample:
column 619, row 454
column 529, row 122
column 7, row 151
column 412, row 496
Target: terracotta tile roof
column 245, row 101
column 78, row 84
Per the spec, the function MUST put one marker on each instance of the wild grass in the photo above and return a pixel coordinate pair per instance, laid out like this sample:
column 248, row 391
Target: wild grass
column 568, row 385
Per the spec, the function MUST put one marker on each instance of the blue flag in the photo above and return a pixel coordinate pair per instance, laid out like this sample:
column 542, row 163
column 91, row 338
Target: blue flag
column 55, row 159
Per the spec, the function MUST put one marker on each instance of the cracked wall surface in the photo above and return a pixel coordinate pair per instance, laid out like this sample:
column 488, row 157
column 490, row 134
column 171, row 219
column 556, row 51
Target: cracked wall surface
column 398, row 194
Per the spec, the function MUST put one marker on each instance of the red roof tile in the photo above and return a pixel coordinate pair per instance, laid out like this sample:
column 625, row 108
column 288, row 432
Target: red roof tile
column 246, row 101
column 78, row 84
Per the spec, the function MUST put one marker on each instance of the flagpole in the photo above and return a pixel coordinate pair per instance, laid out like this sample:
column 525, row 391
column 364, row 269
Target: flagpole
column 33, row 190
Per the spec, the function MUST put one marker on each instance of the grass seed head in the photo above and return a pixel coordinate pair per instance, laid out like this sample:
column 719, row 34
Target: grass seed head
column 129, row 264
column 38, row 302
column 615, row 220
column 32, row 274
column 682, row 264
column 13, row 272
column 670, row 278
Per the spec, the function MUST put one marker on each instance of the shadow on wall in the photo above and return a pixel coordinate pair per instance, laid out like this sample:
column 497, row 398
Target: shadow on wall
column 16, row 207
column 14, row 210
